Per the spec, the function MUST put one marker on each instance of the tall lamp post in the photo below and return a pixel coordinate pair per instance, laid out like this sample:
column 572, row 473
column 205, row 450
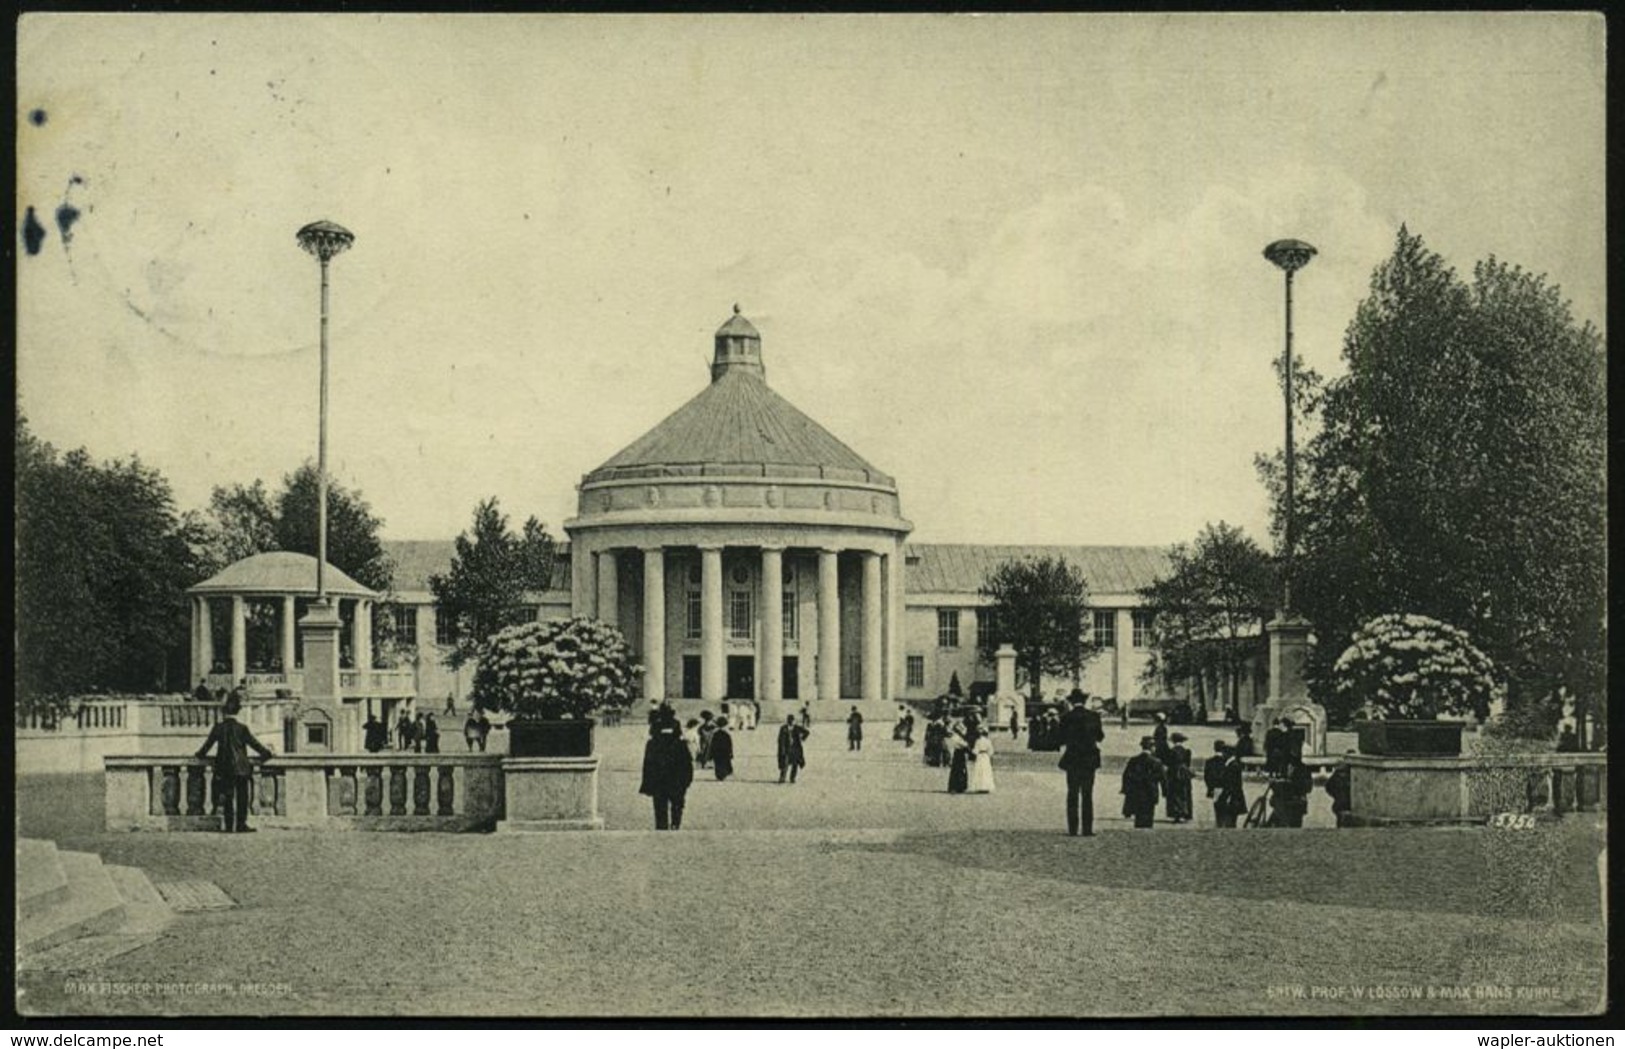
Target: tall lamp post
column 1291, row 256
column 324, row 240
column 1288, row 632
column 322, row 693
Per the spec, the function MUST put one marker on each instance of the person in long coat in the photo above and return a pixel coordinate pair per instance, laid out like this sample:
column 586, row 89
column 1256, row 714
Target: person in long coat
column 1142, row 783
column 708, row 726
column 431, row 734
column 668, row 770
column 792, row 754
column 375, row 736
column 722, row 751
column 233, row 770
column 959, row 741
column 403, row 731
column 1159, row 739
column 1245, row 747
column 471, row 731
column 1080, row 733
column 1338, row 785
column 854, row 731
column 1179, row 780
column 935, row 732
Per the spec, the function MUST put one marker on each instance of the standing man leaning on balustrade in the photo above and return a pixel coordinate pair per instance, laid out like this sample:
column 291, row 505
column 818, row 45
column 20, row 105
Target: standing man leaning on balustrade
column 233, row 769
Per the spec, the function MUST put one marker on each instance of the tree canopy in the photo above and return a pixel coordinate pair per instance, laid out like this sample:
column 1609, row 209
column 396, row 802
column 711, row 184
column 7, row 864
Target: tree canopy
column 1040, row 606
column 1459, row 473
column 249, row 519
column 1208, row 611
column 491, row 572
column 103, row 562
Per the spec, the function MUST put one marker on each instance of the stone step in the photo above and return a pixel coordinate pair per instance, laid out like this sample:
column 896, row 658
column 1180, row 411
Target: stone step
column 41, row 881
column 144, row 908
column 92, row 906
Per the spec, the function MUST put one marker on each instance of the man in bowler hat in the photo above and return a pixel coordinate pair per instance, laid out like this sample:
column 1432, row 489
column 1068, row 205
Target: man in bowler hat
column 1081, row 733
column 233, row 769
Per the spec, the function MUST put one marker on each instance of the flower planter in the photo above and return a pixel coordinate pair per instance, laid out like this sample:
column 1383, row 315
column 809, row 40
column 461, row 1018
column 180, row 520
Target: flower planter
column 565, row 738
column 1410, row 738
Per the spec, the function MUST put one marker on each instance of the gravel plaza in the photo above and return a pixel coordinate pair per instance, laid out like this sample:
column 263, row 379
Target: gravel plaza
column 863, row 891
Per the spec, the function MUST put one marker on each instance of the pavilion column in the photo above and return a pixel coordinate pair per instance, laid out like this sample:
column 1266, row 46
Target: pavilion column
column 873, row 686
column 713, row 678
column 654, row 622
column 829, row 626
column 609, row 589
column 290, row 636
column 206, row 638
column 361, row 644
column 770, row 663
column 239, row 638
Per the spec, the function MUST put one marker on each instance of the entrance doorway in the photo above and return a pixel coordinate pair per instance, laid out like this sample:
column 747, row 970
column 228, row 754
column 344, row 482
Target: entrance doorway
column 691, row 677
column 741, row 677
column 792, row 677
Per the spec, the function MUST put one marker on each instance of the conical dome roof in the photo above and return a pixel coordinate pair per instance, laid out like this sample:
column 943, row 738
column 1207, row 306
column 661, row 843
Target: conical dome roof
column 738, row 421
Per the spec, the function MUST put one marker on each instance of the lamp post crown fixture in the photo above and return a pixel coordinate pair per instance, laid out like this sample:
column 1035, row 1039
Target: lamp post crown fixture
column 1290, row 255
column 324, row 239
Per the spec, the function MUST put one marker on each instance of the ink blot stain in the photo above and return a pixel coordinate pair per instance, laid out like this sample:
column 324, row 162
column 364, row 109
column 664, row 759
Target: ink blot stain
column 33, row 232
column 66, row 216
column 37, row 117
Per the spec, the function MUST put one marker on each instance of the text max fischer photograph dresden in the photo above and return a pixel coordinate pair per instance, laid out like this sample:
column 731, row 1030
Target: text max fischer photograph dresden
column 888, row 517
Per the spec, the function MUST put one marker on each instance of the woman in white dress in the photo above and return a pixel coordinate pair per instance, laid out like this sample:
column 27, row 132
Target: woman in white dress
column 981, row 766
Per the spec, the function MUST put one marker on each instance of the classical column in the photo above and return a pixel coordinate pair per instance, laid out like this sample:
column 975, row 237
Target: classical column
column 206, row 638
column 829, row 626
column 239, row 638
column 770, row 671
column 609, row 588
column 895, row 612
column 873, row 687
column 583, row 580
column 290, row 636
column 713, row 675
column 361, row 644
column 654, row 622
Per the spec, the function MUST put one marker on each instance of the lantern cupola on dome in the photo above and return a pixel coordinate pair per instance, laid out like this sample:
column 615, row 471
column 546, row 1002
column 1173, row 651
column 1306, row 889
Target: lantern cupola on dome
column 738, row 347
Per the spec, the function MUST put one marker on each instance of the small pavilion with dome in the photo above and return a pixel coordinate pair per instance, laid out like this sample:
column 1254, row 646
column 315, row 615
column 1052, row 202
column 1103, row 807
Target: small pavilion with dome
column 245, row 624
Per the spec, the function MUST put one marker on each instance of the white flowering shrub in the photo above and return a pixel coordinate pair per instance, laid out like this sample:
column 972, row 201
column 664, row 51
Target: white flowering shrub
column 557, row 669
column 1414, row 667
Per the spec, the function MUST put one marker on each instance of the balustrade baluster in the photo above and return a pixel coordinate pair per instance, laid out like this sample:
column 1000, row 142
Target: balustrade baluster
column 420, row 790
column 195, row 790
column 447, row 792
column 375, row 791
column 397, row 790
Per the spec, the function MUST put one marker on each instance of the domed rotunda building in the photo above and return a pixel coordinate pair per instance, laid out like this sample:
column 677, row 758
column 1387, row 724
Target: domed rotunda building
column 745, row 551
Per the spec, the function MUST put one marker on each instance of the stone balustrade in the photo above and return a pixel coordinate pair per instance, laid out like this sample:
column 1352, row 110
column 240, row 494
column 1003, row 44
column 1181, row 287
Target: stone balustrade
column 94, row 729
column 391, row 683
column 1386, row 790
column 387, row 792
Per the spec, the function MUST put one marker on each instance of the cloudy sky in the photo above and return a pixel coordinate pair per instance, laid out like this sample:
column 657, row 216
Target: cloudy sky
column 1014, row 261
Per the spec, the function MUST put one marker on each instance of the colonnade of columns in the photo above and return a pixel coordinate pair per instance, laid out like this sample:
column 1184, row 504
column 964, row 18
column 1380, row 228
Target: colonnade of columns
column 770, row 640
column 203, row 654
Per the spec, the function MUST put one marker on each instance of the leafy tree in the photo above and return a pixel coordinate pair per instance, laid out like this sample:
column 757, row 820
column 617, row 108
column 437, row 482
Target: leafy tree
column 490, row 575
column 1459, row 474
column 103, row 563
column 1209, row 610
column 1040, row 606
column 248, row 519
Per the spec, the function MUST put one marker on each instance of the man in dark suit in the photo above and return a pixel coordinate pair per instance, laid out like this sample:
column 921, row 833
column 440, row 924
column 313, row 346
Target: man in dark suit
column 233, row 770
column 1081, row 733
